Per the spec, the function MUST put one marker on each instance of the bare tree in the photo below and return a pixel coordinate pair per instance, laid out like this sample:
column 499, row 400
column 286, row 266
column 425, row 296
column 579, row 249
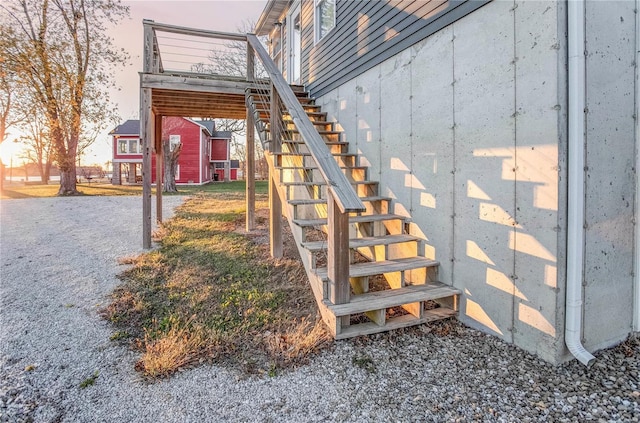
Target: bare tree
column 232, row 60
column 38, row 147
column 61, row 54
column 171, row 153
column 10, row 115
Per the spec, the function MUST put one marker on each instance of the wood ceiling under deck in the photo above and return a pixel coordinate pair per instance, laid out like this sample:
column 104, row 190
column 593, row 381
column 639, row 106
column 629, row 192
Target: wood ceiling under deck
column 197, row 95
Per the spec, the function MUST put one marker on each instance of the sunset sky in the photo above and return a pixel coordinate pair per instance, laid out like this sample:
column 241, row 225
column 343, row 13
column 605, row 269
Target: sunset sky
column 216, row 15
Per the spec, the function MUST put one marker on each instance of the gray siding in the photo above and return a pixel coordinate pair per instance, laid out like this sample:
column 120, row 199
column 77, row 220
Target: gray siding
column 369, row 32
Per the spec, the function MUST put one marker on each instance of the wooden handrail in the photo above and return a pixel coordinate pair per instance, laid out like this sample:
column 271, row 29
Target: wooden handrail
column 343, row 193
column 194, row 31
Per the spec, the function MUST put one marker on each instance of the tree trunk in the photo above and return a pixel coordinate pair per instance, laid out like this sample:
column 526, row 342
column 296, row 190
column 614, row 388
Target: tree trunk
column 170, row 166
column 68, row 182
column 47, row 172
column 1, row 176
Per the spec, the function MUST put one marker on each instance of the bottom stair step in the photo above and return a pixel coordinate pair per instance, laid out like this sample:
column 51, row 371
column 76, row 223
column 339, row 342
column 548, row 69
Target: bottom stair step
column 395, row 323
column 393, row 297
column 380, row 267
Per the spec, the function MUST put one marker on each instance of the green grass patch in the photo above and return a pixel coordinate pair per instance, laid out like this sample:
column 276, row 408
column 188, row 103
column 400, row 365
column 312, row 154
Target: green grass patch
column 90, row 381
column 16, row 190
column 210, row 293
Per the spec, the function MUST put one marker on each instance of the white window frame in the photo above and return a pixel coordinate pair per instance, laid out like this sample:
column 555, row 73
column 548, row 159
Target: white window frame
column 176, row 176
column 317, row 16
column 127, row 142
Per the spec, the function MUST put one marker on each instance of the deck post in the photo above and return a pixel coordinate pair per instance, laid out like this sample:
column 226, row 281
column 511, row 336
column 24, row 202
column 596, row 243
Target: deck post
column 147, row 134
column 337, row 253
column 250, row 160
column 275, row 205
column 147, row 125
column 159, row 153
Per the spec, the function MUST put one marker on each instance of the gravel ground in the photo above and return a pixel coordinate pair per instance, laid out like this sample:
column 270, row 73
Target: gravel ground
column 59, row 262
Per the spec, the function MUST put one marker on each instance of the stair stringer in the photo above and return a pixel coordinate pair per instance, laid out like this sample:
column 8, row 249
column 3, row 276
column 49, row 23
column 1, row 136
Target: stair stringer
column 318, row 285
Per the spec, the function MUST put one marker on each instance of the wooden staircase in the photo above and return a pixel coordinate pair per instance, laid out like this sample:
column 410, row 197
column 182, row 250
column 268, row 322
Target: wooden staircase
column 392, row 284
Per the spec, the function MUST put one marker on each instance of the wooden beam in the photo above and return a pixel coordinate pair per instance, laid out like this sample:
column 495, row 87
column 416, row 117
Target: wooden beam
column 250, row 173
column 275, row 205
column 147, row 135
column 275, row 216
column 206, row 85
column 174, row 29
column 147, row 59
column 159, row 155
column 337, row 253
column 250, row 164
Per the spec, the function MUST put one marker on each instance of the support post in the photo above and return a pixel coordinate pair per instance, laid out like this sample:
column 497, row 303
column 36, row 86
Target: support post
column 250, row 159
column 275, row 205
column 159, row 154
column 337, row 253
column 116, row 176
column 147, row 134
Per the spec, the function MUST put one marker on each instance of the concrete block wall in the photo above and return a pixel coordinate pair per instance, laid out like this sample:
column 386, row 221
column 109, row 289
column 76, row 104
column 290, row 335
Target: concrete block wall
column 610, row 175
column 467, row 132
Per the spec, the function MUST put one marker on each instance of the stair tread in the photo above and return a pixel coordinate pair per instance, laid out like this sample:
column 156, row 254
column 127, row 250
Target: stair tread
column 385, row 266
column 316, row 167
column 341, row 143
column 296, row 153
column 352, row 219
column 310, row 201
column 393, row 297
column 319, row 131
column 322, row 183
column 369, row 241
column 396, row 323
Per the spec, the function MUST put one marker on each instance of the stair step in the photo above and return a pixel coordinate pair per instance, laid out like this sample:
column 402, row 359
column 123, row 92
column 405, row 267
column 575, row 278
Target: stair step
column 323, row 183
column 385, row 266
column 295, row 131
column 395, row 323
column 297, row 153
column 393, row 297
column 311, row 201
column 370, row 241
column 340, row 143
column 316, row 167
column 352, row 219
column 289, row 121
column 303, row 98
column 298, row 90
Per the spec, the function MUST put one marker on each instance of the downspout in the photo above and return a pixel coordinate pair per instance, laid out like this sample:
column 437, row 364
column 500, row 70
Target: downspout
column 576, row 143
column 636, row 287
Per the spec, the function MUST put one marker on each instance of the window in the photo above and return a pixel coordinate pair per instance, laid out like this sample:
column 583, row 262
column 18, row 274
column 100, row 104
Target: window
column 129, row 146
column 174, row 140
column 133, row 147
column 325, row 17
column 177, row 174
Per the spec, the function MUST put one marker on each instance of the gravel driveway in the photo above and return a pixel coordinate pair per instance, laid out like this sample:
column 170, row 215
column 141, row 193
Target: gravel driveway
column 59, row 263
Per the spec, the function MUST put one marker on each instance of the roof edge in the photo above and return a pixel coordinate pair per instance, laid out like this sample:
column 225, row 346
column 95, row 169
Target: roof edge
column 269, row 16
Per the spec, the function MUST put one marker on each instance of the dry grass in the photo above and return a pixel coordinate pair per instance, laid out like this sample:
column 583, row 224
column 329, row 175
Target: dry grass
column 177, row 348
column 211, row 293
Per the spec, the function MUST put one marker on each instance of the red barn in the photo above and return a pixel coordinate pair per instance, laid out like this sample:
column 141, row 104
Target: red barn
column 205, row 154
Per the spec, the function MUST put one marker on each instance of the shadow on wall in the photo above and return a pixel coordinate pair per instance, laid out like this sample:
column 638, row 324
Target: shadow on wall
column 473, row 164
